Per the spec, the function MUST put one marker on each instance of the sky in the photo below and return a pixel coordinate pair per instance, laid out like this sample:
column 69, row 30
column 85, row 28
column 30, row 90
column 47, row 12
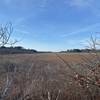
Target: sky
column 51, row 25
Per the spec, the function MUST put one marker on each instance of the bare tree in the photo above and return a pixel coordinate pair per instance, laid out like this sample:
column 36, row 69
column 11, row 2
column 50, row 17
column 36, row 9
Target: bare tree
column 5, row 35
column 5, row 39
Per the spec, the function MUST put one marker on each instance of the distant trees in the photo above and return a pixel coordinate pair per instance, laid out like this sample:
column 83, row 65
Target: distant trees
column 18, row 47
column 16, row 50
column 77, row 51
column 74, row 50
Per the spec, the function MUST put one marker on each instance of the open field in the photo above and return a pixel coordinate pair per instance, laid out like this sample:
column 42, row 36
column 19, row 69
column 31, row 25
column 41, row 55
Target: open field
column 48, row 76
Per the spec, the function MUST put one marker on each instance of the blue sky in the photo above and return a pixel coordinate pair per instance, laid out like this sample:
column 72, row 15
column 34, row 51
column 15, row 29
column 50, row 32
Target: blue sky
column 51, row 25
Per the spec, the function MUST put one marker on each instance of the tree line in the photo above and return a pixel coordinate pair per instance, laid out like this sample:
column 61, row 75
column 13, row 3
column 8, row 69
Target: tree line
column 80, row 51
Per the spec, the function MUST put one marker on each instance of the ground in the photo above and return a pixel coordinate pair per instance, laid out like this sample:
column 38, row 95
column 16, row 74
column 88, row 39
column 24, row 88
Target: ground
column 47, row 76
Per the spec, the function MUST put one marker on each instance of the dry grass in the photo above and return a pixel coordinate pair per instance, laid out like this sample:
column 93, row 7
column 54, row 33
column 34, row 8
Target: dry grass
column 46, row 77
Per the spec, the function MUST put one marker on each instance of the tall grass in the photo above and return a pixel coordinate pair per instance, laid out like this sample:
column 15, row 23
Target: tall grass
column 37, row 79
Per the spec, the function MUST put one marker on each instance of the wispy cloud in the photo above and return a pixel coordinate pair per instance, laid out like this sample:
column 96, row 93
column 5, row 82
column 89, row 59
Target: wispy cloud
column 81, row 3
column 91, row 5
column 90, row 27
column 25, row 4
column 7, row 1
column 43, row 3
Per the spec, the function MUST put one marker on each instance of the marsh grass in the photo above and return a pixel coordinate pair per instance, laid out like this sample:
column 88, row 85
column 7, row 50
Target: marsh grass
column 38, row 79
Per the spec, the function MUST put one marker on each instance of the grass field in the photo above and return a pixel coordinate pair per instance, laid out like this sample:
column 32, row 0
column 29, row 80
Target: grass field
column 48, row 76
